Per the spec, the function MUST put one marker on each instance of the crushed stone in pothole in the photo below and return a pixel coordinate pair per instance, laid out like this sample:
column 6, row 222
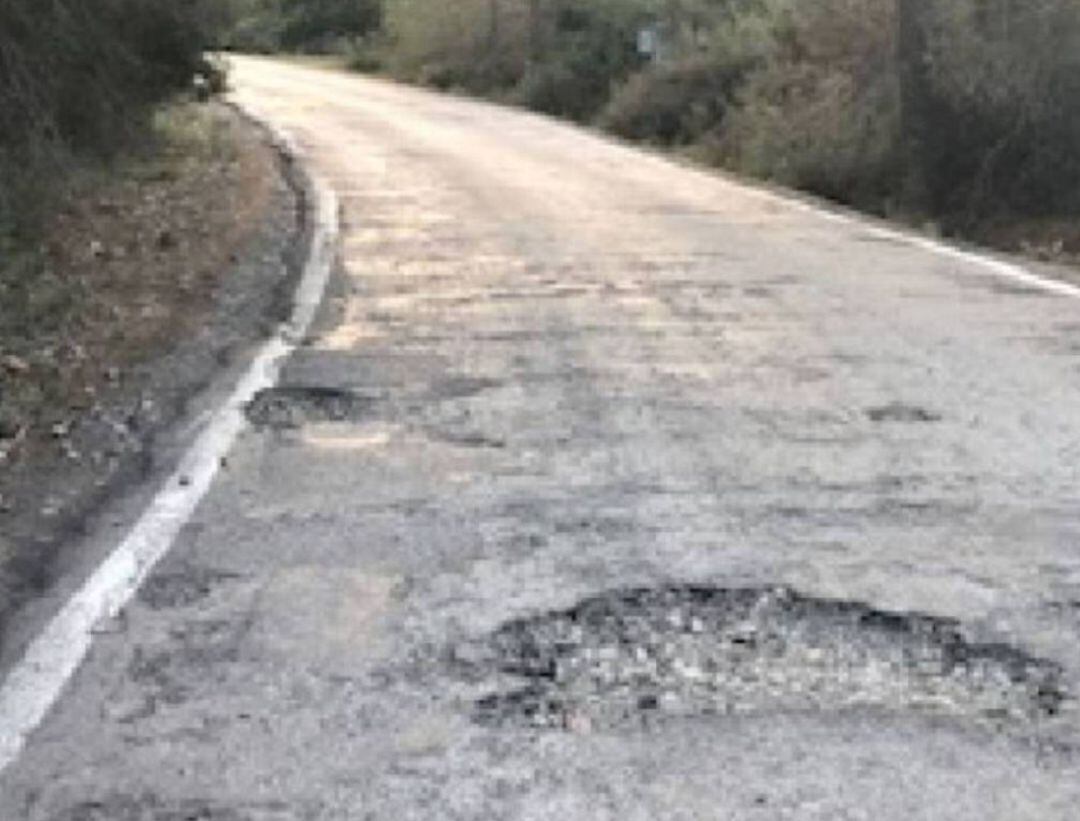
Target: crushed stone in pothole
column 287, row 408
column 638, row 656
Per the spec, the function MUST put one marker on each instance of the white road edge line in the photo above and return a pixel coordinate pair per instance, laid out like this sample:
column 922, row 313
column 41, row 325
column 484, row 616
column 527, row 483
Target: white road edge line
column 34, row 685
column 993, row 265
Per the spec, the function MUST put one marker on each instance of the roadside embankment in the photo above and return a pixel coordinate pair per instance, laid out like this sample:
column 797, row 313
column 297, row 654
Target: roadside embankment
column 146, row 282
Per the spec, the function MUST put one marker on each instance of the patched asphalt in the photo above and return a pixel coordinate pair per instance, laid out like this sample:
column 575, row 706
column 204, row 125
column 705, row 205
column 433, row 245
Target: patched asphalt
column 607, row 489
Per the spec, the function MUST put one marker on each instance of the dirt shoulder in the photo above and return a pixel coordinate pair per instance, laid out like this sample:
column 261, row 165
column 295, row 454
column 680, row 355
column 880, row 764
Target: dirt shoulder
column 149, row 282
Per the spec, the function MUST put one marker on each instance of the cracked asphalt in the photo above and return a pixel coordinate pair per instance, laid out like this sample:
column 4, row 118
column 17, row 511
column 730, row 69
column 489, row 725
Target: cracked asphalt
column 732, row 510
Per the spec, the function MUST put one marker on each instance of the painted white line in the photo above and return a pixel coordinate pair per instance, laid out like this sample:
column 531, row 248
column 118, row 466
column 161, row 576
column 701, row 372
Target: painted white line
column 990, row 264
column 37, row 681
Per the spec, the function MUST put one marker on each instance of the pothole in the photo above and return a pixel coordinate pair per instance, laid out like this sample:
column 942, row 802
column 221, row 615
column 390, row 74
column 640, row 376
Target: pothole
column 902, row 413
column 292, row 407
column 638, row 656
column 182, row 588
column 466, row 439
column 462, row 387
column 195, row 653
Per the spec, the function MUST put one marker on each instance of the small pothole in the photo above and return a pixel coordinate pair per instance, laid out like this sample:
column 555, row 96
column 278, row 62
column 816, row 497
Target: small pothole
column 292, row 407
column 899, row 412
column 638, row 656
column 469, row 440
column 182, row 588
column 462, row 387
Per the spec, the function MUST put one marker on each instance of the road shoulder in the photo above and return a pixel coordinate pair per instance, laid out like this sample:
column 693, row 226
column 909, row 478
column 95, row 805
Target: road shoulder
column 194, row 267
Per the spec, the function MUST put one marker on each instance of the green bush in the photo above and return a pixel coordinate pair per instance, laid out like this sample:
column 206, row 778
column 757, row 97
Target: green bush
column 1005, row 85
column 80, row 76
column 318, row 25
column 566, row 88
column 364, row 54
column 118, row 58
column 479, row 45
column 673, row 104
column 818, row 130
column 557, row 56
column 821, row 112
column 311, row 26
column 589, row 48
column 551, row 88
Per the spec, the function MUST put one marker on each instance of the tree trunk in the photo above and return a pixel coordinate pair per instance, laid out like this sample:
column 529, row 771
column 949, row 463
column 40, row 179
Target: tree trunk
column 917, row 127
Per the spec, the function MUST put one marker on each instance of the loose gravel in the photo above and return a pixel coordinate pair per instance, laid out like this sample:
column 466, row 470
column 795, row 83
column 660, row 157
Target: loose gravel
column 637, row 656
column 288, row 408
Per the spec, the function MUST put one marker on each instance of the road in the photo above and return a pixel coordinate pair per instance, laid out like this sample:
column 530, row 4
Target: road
column 607, row 488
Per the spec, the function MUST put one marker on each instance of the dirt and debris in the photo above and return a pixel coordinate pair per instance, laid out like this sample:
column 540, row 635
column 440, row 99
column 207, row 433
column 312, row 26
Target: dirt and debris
column 149, row 280
column 287, row 408
column 630, row 658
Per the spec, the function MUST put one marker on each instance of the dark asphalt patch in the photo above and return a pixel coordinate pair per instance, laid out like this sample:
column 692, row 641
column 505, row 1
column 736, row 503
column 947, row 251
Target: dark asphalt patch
column 473, row 441
column 634, row 657
column 149, row 807
column 462, row 387
column 194, row 654
column 900, row 413
column 182, row 588
column 288, row 408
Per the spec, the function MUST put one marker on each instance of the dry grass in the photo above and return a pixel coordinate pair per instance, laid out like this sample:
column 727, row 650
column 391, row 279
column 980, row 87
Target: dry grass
column 127, row 266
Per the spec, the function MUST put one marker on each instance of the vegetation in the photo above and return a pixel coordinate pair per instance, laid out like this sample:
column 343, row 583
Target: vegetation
column 965, row 112
column 79, row 78
column 299, row 25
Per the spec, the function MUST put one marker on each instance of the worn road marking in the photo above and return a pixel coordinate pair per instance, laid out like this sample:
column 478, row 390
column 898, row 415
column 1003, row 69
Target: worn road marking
column 994, row 265
column 36, row 682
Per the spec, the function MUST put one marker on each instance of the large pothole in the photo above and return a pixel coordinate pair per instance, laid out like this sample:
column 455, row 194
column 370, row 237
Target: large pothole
column 638, row 656
column 293, row 407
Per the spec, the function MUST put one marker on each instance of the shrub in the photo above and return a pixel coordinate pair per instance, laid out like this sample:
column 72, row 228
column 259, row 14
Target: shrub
column 1005, row 82
column 818, row 130
column 551, row 88
column 820, row 109
column 316, row 25
column 312, row 26
column 364, row 54
column 80, row 76
column 573, row 82
column 480, row 45
column 978, row 118
column 678, row 103
column 558, row 56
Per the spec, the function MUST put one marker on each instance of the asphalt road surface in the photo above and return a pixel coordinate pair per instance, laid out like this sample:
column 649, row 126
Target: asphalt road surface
column 606, row 489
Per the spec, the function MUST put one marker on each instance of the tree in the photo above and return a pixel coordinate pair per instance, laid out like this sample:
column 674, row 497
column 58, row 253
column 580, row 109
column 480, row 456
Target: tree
column 315, row 22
